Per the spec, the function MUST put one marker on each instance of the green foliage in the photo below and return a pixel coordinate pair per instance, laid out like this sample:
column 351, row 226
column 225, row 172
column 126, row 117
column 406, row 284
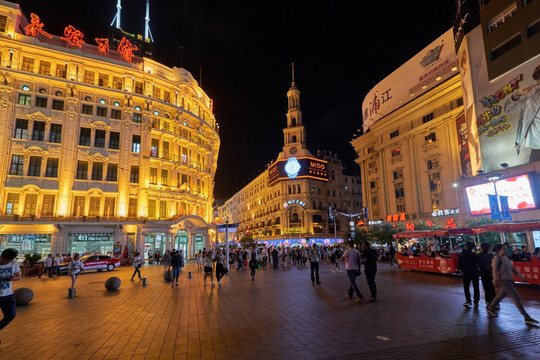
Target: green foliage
column 247, row 241
column 383, row 233
column 360, row 234
column 31, row 259
column 492, row 238
column 422, row 225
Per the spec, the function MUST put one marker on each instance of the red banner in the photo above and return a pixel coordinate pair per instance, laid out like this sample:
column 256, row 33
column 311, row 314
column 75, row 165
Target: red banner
column 438, row 264
column 529, row 269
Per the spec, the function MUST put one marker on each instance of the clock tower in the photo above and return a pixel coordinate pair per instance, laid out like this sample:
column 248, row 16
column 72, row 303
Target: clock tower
column 294, row 134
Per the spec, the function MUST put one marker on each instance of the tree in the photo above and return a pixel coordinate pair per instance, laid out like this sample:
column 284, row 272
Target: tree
column 491, row 238
column 247, row 241
column 384, row 233
column 360, row 234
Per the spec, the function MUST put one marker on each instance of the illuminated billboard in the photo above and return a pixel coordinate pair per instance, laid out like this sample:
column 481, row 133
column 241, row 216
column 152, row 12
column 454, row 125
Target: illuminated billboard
column 518, row 189
column 298, row 168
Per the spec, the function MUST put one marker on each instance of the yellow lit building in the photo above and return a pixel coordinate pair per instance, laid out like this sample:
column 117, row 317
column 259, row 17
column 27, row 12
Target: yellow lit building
column 288, row 203
column 98, row 150
column 409, row 153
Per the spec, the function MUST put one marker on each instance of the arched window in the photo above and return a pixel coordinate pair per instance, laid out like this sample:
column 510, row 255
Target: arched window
column 317, row 218
column 294, row 138
column 293, row 122
column 278, row 220
column 294, row 218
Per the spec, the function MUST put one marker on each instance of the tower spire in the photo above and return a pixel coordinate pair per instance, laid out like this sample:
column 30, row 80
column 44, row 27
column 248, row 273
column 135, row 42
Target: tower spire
column 292, row 65
column 147, row 32
column 117, row 16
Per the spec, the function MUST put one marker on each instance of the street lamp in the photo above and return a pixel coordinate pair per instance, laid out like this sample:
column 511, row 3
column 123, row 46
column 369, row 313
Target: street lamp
column 494, row 178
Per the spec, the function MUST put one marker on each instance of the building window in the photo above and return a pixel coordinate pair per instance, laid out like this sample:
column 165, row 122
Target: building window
column 114, row 140
column 502, row 17
column 167, row 96
column 94, row 206
column 134, row 174
column 398, row 174
column 45, row 68
column 165, row 150
column 27, row 64
column 47, row 208
column 505, row 47
column 153, row 176
column 103, row 80
column 427, row 118
column 52, row 168
column 435, row 204
column 117, row 83
column 24, row 99
column 155, row 123
column 82, row 170
column 87, row 109
column 430, row 138
column 533, row 29
column 163, row 209
column 139, row 88
column 136, row 144
column 30, row 204
column 3, row 23
column 84, row 137
column 151, row 208
column 108, row 211
column 38, row 131
column 17, row 165
column 432, row 164
column 34, row 166
column 55, row 135
column 154, row 150
column 394, row 134
column 164, row 177
column 112, row 172
column 99, row 138
column 78, row 205
column 372, row 184
column 101, row 111
column 137, row 117
column 156, row 93
column 396, row 152
column 89, row 77
column 116, row 114
column 400, row 208
column 61, row 70
column 399, row 191
column 41, row 101
column 58, row 105
column 166, row 126
column 12, row 204
column 97, row 171
column 132, row 207
column 21, row 129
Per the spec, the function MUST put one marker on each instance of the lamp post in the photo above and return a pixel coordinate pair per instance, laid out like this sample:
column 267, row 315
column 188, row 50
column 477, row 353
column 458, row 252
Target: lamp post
column 494, row 178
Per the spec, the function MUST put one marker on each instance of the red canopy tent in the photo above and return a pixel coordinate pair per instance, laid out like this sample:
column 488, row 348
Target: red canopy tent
column 508, row 227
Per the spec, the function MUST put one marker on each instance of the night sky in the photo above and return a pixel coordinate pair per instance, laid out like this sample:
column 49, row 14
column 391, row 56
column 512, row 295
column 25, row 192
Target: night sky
column 341, row 49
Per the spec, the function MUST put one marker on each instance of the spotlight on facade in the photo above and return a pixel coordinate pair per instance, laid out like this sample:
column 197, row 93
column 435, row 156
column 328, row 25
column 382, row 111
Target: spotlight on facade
column 455, row 185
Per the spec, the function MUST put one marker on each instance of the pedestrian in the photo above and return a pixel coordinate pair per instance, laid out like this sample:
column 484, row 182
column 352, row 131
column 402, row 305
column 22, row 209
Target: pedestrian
column 157, row 257
column 208, row 267
column 468, row 266
column 75, row 267
column 220, row 265
column 353, row 262
column 166, row 260
column 314, row 258
column 392, row 252
column 485, row 258
column 369, row 259
column 137, row 261
column 503, row 279
column 253, row 263
column 264, row 254
column 339, row 255
column 240, row 259
column 275, row 254
column 9, row 271
column 176, row 261
column 199, row 260
column 47, row 266
column 56, row 264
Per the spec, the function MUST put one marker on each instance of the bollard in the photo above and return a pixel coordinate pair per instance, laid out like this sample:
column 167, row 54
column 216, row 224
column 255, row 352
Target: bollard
column 71, row 293
column 189, row 274
column 144, row 281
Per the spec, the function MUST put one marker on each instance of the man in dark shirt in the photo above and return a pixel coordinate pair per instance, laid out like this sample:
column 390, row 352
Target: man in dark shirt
column 392, row 252
column 369, row 258
column 468, row 265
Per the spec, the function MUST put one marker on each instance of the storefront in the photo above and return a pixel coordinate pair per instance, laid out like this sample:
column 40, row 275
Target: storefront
column 91, row 243
column 181, row 241
column 27, row 243
column 199, row 243
column 153, row 243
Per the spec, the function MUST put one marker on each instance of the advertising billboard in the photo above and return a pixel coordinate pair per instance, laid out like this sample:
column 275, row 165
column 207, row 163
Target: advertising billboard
column 505, row 110
column 517, row 188
column 298, row 168
column 430, row 67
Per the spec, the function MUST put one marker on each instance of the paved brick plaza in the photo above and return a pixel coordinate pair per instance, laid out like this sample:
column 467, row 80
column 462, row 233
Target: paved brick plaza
column 281, row 315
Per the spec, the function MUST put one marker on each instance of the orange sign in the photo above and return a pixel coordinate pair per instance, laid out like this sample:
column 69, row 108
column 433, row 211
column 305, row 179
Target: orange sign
column 450, row 224
column 410, row 226
column 126, row 49
column 73, row 36
column 103, row 45
column 36, row 26
column 430, row 223
column 396, row 217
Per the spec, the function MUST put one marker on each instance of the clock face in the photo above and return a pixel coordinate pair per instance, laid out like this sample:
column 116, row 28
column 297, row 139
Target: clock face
column 292, row 167
column 292, row 150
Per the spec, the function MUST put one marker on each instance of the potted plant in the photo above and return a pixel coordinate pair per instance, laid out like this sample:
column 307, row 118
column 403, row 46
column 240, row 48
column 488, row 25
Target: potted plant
column 31, row 265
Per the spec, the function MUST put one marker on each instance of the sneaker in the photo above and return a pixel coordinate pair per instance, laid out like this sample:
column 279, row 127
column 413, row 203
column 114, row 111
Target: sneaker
column 132, row 280
column 252, row 278
column 360, row 300
column 372, row 299
column 348, row 297
column 319, row 283
column 491, row 312
column 176, row 284
column 468, row 303
column 530, row 320
column 172, row 285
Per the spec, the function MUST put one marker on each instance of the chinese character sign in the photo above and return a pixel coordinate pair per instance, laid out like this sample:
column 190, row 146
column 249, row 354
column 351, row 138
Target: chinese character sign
column 126, row 49
column 103, row 45
column 36, row 26
column 73, row 36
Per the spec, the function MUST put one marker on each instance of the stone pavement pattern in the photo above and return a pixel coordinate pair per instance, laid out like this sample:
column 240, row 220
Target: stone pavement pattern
column 280, row 315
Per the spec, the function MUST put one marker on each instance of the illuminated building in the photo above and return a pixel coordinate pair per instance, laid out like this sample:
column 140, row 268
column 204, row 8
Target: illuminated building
column 409, row 153
column 287, row 203
column 100, row 147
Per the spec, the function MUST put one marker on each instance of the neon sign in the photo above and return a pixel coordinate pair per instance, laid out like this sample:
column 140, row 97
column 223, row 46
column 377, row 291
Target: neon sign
column 450, row 224
column 73, row 36
column 36, row 26
column 445, row 212
column 126, row 49
column 291, row 202
column 103, row 45
column 410, row 226
column 396, row 217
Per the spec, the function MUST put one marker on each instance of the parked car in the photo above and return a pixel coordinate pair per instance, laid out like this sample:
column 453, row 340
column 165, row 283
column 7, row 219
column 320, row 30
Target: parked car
column 95, row 262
